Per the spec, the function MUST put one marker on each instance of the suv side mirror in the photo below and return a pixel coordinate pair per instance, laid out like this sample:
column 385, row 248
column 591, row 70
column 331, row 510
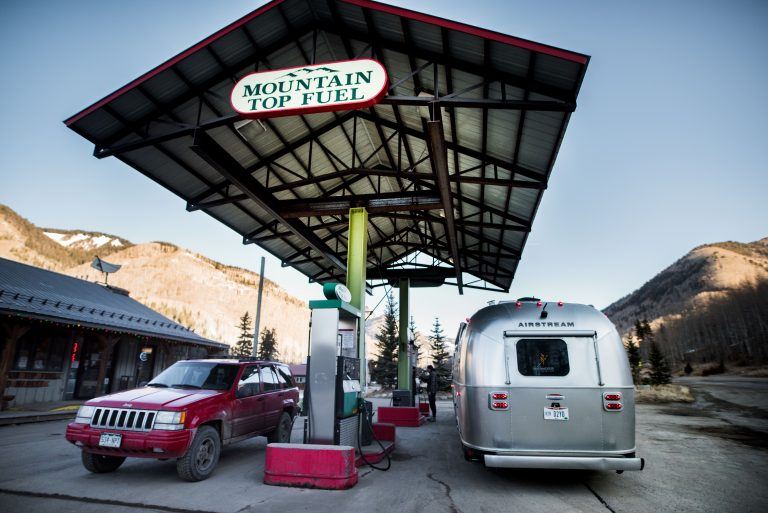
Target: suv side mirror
column 143, row 384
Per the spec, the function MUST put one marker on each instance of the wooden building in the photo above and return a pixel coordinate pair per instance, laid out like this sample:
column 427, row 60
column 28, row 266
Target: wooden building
column 64, row 338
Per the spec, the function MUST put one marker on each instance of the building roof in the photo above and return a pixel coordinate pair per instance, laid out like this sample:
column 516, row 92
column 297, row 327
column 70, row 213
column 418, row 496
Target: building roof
column 35, row 292
column 298, row 369
column 451, row 164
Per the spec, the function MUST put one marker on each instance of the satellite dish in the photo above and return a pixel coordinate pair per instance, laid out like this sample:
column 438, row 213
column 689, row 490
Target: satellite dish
column 105, row 267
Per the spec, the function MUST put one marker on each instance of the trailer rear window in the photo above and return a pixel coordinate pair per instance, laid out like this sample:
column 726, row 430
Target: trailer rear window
column 542, row 357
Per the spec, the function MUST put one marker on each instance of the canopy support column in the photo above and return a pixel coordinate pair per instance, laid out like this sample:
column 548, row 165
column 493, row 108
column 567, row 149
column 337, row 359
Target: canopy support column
column 403, row 361
column 357, row 258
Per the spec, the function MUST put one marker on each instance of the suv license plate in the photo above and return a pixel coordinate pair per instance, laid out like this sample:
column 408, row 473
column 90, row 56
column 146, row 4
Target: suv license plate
column 555, row 413
column 110, row 440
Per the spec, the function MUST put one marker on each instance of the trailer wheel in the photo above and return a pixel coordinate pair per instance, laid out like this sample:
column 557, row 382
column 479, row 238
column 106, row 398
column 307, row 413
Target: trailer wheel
column 99, row 464
column 201, row 457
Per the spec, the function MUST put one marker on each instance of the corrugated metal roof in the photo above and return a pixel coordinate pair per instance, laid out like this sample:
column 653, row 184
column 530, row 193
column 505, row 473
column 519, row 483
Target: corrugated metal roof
column 45, row 294
column 498, row 157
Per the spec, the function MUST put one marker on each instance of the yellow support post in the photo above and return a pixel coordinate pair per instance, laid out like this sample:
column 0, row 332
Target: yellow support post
column 357, row 259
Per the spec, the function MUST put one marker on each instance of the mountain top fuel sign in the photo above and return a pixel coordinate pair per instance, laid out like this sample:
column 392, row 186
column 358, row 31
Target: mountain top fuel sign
column 343, row 85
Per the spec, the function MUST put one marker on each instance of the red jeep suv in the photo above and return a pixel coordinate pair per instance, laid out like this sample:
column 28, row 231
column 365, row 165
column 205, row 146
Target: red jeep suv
column 187, row 412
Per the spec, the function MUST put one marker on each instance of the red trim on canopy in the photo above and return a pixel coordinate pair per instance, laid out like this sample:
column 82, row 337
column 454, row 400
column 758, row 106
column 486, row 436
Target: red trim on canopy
column 173, row 60
column 469, row 29
column 368, row 4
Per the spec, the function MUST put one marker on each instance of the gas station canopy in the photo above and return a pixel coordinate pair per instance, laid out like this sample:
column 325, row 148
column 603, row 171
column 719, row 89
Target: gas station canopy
column 451, row 163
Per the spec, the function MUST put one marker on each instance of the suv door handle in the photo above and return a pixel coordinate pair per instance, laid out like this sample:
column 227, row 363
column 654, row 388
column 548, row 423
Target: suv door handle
column 260, row 398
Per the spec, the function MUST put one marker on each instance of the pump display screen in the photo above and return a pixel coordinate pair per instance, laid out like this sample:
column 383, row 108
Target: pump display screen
column 542, row 357
column 349, row 367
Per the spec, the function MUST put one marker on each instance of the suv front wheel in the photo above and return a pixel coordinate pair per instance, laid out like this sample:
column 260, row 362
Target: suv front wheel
column 203, row 455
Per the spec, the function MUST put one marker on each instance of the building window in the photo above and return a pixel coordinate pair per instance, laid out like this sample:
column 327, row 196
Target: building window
column 39, row 350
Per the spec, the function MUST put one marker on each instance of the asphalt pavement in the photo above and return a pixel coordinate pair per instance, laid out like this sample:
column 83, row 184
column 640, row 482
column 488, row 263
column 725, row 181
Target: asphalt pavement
column 696, row 460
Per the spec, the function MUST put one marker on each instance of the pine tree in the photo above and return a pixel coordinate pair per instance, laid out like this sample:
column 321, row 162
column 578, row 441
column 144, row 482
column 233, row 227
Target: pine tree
column 440, row 356
column 268, row 345
column 633, row 354
column 660, row 374
column 639, row 336
column 384, row 369
column 244, row 344
column 414, row 336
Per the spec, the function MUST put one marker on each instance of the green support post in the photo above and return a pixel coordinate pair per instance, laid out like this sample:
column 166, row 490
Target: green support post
column 403, row 362
column 357, row 259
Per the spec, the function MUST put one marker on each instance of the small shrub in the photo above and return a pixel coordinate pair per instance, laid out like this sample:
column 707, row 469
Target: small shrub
column 712, row 369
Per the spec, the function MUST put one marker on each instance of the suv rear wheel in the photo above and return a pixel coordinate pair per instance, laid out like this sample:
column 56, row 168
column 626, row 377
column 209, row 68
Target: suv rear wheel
column 99, row 464
column 203, row 455
column 282, row 434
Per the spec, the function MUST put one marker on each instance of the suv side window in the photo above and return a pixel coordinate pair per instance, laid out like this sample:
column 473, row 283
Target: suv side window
column 269, row 378
column 284, row 376
column 249, row 383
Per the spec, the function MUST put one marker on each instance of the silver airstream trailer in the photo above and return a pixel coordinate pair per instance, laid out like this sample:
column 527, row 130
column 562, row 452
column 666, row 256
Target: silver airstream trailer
column 544, row 385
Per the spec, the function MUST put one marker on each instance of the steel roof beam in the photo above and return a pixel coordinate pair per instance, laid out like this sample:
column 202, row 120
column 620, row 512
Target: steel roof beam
column 501, row 226
column 439, row 158
column 475, row 154
column 210, row 151
column 475, row 103
column 485, row 70
column 501, row 213
column 422, row 272
column 191, row 207
column 387, row 202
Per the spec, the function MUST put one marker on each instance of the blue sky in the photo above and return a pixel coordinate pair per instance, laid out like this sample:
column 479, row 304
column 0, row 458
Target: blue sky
column 666, row 151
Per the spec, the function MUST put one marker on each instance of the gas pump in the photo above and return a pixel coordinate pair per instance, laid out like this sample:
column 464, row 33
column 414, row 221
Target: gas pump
column 333, row 389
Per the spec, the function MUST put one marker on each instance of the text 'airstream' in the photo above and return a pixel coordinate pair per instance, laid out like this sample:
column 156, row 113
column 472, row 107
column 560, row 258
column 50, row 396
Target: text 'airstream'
column 544, row 385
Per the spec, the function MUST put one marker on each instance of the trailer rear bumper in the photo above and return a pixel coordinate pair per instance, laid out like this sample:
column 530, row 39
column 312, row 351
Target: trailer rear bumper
column 564, row 462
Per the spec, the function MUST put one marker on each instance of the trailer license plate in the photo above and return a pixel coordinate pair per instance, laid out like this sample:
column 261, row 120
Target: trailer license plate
column 110, row 440
column 555, row 413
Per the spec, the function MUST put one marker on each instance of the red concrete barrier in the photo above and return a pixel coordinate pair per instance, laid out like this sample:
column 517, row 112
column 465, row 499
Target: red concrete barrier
column 424, row 408
column 330, row 467
column 384, row 432
column 377, row 451
column 401, row 416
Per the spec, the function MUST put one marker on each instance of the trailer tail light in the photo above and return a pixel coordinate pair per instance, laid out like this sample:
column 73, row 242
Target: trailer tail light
column 518, row 304
column 612, row 401
column 538, row 304
column 560, row 304
column 498, row 401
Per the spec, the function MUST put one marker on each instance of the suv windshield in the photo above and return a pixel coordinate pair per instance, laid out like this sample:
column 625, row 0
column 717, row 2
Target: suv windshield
column 191, row 375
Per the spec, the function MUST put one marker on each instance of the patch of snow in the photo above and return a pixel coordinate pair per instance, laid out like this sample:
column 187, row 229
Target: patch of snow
column 82, row 240
column 100, row 241
column 66, row 239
